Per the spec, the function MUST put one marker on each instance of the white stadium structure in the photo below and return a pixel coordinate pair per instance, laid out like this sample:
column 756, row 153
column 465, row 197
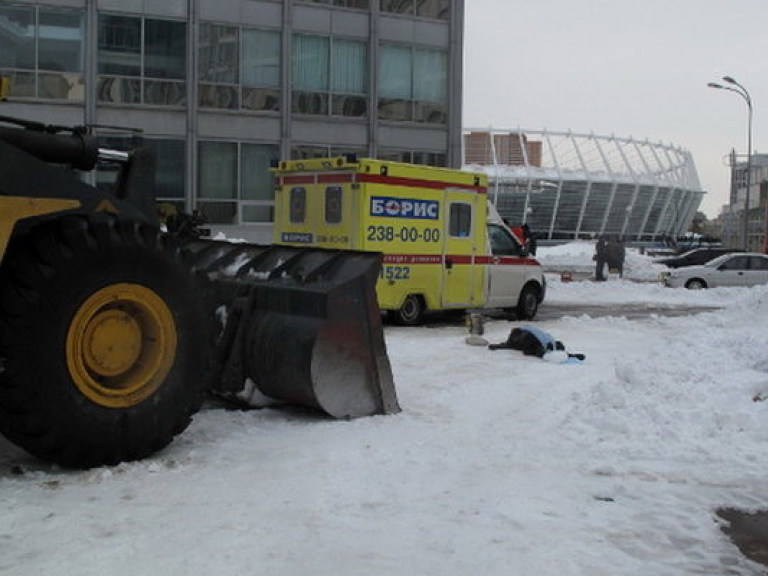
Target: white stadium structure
column 566, row 185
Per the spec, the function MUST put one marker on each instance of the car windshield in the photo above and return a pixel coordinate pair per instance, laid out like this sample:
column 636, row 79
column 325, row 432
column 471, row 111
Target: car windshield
column 717, row 261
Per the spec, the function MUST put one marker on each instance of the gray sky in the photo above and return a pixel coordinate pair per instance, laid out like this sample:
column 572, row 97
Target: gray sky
column 635, row 68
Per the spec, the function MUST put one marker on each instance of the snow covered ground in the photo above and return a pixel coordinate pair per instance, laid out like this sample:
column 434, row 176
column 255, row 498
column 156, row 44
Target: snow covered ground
column 499, row 464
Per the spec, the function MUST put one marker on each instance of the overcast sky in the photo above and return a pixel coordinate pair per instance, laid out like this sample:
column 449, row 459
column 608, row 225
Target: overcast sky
column 632, row 68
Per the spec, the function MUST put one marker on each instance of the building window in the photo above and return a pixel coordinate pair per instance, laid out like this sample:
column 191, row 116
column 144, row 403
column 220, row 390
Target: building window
column 141, row 61
column 430, row 158
column 329, row 76
column 219, row 66
column 261, row 70
column 360, row 4
column 305, row 152
column 217, row 182
column 257, row 185
column 235, row 177
column 415, row 157
column 435, row 9
column 239, row 68
column 170, row 164
column 42, row 51
column 413, row 84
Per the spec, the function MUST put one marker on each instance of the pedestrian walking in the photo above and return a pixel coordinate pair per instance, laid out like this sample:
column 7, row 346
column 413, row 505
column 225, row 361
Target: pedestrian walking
column 599, row 258
column 615, row 254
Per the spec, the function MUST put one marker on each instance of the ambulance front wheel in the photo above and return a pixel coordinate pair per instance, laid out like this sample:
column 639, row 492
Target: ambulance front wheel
column 411, row 312
column 528, row 303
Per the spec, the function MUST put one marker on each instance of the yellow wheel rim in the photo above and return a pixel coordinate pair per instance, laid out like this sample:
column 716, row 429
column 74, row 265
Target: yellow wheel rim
column 121, row 345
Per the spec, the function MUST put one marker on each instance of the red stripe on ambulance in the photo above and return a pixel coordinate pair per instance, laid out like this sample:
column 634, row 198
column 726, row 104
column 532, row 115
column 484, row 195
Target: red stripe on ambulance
column 419, row 183
column 335, row 178
column 413, row 258
column 293, row 180
column 506, row 260
column 459, row 259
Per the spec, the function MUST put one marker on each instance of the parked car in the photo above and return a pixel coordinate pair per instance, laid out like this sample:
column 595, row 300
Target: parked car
column 737, row 269
column 695, row 257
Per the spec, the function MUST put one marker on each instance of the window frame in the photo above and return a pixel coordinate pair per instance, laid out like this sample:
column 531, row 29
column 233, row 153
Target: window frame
column 330, row 99
column 237, row 94
column 240, row 204
column 412, row 9
column 141, row 89
column 341, row 3
column 31, row 80
column 392, row 103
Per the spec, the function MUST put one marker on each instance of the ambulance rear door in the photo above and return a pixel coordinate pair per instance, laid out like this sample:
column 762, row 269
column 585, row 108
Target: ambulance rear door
column 317, row 209
column 461, row 284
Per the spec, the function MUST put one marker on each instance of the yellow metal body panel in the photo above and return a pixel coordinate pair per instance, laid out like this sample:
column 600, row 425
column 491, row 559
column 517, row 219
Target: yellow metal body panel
column 407, row 212
column 15, row 208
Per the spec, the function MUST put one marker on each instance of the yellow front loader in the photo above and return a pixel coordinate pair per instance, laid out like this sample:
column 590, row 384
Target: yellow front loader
column 113, row 328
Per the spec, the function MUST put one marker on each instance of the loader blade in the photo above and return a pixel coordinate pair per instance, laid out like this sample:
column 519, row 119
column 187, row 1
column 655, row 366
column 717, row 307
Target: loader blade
column 308, row 330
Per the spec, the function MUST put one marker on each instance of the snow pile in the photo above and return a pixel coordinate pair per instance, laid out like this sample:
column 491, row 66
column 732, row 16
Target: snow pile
column 500, row 464
column 576, row 257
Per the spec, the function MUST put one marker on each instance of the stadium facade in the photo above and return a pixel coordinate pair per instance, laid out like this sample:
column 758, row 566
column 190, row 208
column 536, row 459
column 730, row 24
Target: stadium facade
column 220, row 88
column 568, row 186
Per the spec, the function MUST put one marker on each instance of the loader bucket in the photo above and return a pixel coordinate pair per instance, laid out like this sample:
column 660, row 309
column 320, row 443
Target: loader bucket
column 309, row 328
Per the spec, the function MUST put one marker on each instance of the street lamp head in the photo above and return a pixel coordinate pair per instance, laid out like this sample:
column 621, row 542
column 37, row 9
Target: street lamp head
column 741, row 91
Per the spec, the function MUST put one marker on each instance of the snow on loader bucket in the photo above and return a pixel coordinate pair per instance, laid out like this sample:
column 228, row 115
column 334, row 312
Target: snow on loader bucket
column 302, row 324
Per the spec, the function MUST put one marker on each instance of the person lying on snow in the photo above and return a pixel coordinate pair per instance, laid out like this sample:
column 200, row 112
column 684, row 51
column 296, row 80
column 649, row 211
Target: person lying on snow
column 533, row 341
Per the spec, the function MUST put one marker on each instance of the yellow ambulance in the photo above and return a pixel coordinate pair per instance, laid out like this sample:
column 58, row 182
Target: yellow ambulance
column 444, row 245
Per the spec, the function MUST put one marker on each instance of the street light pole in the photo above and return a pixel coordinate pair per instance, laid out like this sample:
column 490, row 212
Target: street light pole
column 741, row 91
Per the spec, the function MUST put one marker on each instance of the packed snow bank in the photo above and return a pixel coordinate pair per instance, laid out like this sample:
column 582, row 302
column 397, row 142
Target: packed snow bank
column 500, row 464
column 577, row 257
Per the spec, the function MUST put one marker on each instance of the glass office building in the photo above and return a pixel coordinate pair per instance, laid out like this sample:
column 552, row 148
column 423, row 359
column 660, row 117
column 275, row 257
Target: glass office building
column 568, row 186
column 221, row 88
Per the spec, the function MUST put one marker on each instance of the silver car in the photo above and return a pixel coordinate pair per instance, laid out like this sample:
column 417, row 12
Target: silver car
column 739, row 269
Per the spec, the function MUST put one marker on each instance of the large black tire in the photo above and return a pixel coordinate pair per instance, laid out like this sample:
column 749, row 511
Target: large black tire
column 411, row 313
column 102, row 342
column 528, row 303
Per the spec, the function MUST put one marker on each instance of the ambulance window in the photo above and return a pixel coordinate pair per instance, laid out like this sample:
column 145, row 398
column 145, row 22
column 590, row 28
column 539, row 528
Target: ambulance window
column 460, row 224
column 502, row 243
column 333, row 205
column 298, row 205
